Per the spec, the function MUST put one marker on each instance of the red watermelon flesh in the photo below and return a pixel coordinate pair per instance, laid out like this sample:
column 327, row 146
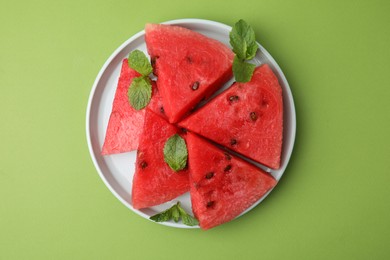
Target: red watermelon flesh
column 189, row 66
column 154, row 182
column 222, row 185
column 125, row 123
column 246, row 118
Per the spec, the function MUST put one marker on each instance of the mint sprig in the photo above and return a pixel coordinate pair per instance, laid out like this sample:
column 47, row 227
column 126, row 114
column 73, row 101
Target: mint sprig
column 175, row 212
column 242, row 39
column 242, row 71
column 140, row 90
column 175, row 152
column 140, row 63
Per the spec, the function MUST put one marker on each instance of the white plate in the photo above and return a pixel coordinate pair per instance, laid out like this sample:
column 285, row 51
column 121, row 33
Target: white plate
column 117, row 170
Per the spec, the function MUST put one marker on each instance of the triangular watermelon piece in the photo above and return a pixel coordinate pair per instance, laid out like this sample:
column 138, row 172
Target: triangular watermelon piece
column 222, row 185
column 189, row 66
column 246, row 118
column 125, row 123
column 154, row 182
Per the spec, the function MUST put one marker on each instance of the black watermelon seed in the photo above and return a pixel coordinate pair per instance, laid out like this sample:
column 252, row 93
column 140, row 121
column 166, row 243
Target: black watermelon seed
column 233, row 98
column 162, row 110
column 253, row 116
column 210, row 204
column 144, row 164
column 195, row 86
column 153, row 61
column 227, row 168
column 227, row 156
column 209, row 175
column 233, row 141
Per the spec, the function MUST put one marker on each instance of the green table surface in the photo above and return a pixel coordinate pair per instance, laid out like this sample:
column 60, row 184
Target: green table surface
column 332, row 202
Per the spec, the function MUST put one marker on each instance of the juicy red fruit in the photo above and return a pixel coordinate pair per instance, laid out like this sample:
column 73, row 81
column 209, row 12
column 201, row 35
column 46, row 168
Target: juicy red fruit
column 222, row 185
column 189, row 66
column 125, row 123
column 246, row 118
column 154, row 182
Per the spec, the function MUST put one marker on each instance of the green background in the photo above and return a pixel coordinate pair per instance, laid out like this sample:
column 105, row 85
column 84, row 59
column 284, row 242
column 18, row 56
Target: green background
column 332, row 202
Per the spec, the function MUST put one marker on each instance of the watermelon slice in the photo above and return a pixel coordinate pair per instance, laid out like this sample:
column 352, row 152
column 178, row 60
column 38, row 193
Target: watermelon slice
column 222, row 185
column 154, row 182
column 246, row 118
column 125, row 123
column 189, row 66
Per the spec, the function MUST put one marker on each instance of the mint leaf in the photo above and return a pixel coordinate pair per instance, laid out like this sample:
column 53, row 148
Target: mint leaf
column 175, row 212
column 251, row 51
column 242, row 39
column 166, row 215
column 187, row 219
column 242, row 71
column 140, row 92
column 139, row 62
column 238, row 43
column 175, row 152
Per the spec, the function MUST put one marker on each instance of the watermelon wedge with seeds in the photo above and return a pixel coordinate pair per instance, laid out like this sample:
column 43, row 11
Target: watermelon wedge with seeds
column 189, row 66
column 246, row 118
column 125, row 123
column 154, row 182
column 222, row 185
